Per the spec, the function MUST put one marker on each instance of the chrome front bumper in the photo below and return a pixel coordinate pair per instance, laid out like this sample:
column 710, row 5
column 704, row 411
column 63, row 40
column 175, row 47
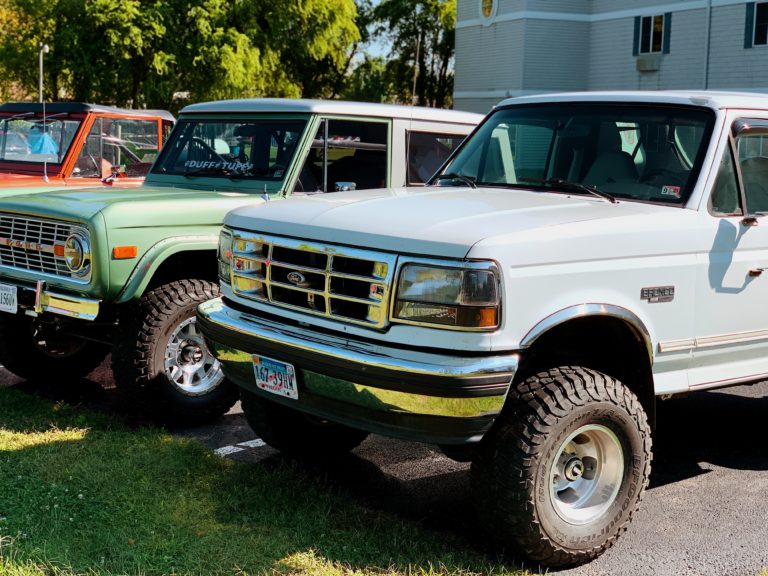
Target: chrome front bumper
column 432, row 397
column 39, row 300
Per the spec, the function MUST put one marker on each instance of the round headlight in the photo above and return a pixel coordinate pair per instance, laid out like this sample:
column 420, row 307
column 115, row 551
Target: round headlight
column 74, row 252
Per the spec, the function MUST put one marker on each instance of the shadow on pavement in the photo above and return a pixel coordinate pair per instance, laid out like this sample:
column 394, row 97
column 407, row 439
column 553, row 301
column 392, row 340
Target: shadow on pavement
column 416, row 482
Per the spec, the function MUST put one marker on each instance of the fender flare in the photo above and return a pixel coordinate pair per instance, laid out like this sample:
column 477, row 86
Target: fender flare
column 593, row 309
column 154, row 257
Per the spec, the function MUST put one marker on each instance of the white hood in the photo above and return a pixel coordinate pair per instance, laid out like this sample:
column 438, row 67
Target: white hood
column 438, row 222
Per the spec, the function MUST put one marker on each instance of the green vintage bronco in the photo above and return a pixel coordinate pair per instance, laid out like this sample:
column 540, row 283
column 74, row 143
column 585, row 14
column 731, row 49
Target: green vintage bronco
column 85, row 272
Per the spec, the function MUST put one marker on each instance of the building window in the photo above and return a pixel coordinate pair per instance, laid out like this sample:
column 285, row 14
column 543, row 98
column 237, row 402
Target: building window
column 488, row 10
column 761, row 24
column 651, row 34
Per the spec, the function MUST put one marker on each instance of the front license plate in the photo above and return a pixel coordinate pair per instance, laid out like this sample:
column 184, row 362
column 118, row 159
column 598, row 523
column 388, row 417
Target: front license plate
column 8, row 302
column 275, row 377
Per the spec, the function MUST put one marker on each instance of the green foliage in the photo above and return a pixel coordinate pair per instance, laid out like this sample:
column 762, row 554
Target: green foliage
column 84, row 494
column 142, row 52
column 423, row 42
column 369, row 82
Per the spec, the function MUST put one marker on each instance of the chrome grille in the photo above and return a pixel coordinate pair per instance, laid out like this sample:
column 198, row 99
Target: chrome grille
column 336, row 282
column 29, row 244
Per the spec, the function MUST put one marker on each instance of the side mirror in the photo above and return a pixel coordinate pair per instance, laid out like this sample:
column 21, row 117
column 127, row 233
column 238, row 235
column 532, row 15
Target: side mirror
column 345, row 186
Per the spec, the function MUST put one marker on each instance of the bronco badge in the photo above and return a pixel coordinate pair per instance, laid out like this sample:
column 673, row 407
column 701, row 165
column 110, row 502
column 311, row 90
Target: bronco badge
column 658, row 294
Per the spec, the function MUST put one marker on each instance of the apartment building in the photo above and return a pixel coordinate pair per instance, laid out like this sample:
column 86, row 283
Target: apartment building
column 510, row 48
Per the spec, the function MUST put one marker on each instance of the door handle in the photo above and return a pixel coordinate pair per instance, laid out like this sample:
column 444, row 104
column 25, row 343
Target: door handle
column 755, row 272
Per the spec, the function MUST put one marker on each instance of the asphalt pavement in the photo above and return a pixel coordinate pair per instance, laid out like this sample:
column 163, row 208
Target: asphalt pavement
column 705, row 512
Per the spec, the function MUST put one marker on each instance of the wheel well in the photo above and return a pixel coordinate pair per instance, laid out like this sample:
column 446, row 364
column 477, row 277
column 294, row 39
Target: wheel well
column 609, row 345
column 188, row 264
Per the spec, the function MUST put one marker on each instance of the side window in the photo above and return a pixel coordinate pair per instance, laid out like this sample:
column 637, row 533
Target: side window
column 91, row 162
column 753, row 162
column 725, row 200
column 130, row 144
column 426, row 153
column 167, row 127
column 355, row 154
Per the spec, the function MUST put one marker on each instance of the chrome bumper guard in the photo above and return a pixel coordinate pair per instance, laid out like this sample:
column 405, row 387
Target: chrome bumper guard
column 60, row 304
column 428, row 396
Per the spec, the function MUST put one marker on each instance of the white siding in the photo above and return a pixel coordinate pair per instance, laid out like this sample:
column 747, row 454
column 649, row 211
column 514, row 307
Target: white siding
column 489, row 58
column 730, row 64
column 611, row 63
column 556, row 55
column 551, row 45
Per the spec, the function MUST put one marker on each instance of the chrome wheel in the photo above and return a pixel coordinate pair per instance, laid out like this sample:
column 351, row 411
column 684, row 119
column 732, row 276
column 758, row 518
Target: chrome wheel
column 586, row 474
column 189, row 365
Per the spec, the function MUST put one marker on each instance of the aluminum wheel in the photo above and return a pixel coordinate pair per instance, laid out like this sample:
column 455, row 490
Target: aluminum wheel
column 189, row 365
column 586, row 474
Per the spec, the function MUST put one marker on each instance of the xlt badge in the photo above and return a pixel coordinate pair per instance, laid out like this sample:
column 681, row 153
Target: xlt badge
column 658, row 294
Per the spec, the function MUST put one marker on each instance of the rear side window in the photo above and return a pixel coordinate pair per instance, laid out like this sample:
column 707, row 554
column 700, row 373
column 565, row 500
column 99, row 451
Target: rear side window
column 427, row 151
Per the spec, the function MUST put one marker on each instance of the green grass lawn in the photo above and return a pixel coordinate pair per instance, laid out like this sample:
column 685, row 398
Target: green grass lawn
column 82, row 493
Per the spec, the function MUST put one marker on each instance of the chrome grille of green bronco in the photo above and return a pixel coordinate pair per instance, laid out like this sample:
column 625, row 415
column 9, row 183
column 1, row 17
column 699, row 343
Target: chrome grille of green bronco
column 28, row 244
column 333, row 281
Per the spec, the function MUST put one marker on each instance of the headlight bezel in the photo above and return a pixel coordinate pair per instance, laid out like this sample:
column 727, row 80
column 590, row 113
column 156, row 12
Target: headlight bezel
column 463, row 268
column 78, row 264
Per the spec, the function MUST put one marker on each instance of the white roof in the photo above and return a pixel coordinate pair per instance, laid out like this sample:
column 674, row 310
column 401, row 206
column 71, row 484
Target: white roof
column 711, row 99
column 339, row 107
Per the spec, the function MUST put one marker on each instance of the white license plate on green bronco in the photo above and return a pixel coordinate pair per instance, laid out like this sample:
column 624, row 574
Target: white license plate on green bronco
column 275, row 377
column 8, row 302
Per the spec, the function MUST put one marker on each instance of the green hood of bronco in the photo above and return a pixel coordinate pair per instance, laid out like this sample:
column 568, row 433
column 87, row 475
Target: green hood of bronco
column 143, row 206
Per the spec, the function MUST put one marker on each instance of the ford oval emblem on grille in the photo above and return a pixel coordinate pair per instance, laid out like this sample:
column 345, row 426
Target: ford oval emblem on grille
column 296, row 278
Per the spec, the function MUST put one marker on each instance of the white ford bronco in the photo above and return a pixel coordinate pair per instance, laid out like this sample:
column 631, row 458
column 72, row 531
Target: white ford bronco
column 578, row 257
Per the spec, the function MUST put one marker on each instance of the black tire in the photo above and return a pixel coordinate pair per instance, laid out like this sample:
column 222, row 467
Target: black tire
column 146, row 332
column 531, row 467
column 296, row 433
column 41, row 349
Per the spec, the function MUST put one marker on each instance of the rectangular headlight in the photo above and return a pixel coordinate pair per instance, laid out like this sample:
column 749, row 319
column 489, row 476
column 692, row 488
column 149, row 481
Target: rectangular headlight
column 446, row 296
column 224, row 256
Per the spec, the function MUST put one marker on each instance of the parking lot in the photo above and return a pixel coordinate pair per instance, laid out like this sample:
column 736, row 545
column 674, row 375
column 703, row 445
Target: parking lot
column 703, row 514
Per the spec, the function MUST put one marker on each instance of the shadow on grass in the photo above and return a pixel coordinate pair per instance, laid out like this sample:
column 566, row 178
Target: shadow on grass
column 156, row 504
column 84, row 492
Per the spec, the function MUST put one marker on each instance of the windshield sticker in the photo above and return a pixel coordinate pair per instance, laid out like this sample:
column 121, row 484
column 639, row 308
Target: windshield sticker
column 218, row 165
column 278, row 173
column 671, row 191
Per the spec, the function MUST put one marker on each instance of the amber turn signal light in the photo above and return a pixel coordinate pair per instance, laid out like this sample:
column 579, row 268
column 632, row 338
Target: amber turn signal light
column 124, row 252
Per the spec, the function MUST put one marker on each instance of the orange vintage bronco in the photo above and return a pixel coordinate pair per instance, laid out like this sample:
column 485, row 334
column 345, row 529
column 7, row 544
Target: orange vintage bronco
column 58, row 144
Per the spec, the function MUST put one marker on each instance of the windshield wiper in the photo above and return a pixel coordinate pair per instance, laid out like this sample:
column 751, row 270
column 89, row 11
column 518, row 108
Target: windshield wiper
column 468, row 180
column 569, row 185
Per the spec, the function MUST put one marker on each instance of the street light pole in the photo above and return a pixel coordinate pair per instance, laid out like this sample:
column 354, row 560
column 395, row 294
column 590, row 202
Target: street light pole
column 43, row 50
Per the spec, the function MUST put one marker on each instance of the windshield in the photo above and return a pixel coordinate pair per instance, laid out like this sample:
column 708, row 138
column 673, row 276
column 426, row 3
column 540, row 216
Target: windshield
column 26, row 138
column 230, row 148
column 637, row 152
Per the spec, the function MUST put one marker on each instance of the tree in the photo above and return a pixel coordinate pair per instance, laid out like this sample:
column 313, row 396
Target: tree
column 369, row 82
column 142, row 52
column 423, row 44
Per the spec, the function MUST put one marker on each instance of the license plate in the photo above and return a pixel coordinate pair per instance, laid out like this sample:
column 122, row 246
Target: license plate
column 8, row 302
column 275, row 377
